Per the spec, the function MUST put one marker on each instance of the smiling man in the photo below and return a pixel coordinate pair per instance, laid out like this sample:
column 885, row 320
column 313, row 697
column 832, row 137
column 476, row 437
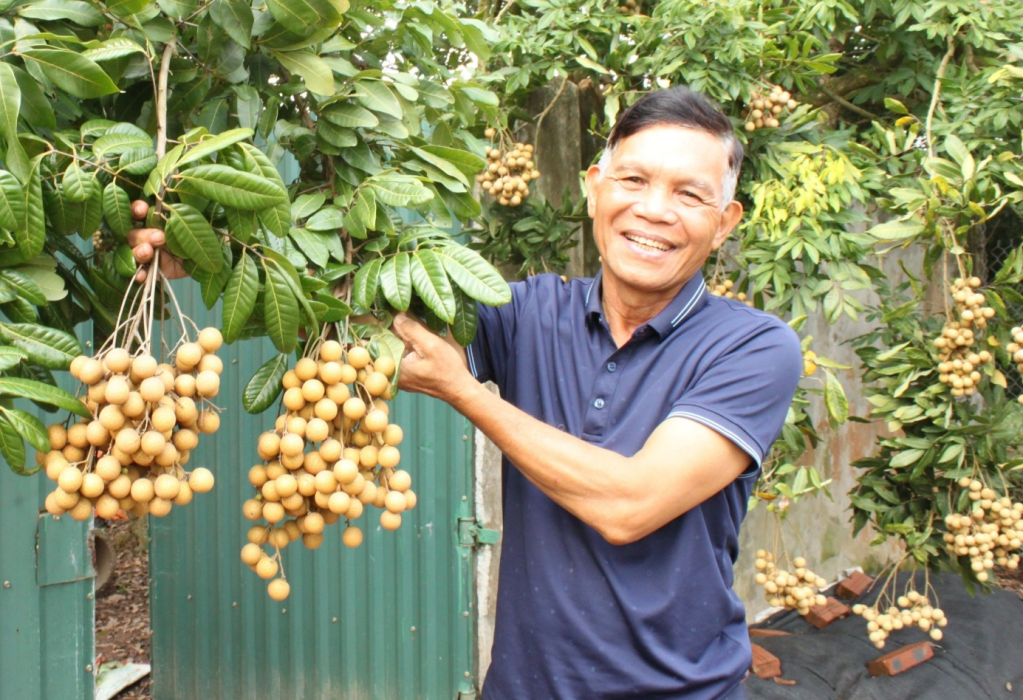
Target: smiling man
column 635, row 410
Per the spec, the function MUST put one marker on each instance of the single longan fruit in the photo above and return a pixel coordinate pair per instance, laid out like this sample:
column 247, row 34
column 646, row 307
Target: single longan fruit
column 410, row 499
column 273, row 512
column 399, row 480
column 152, row 389
column 266, row 567
column 210, row 339
column 73, row 454
column 120, row 487
column 388, row 457
column 338, row 394
column 325, row 409
column 166, row 486
column 348, row 374
column 252, row 509
column 188, row 356
column 306, row 368
column 313, row 463
column 331, row 351
column 352, row 537
column 379, row 496
column 317, row 430
column 143, row 367
column 368, row 456
column 369, row 492
column 330, row 450
column 394, row 501
column 292, row 461
column 153, row 442
column 293, row 399
column 278, row 589
column 185, row 494
column 159, row 507
column 163, row 419
column 184, row 385
column 208, row 422
column 211, row 363
column 82, row 510
column 291, row 380
column 285, row 484
column 142, row 490
column 135, row 406
column 107, row 507
column 314, row 523
column 312, row 390
column 117, row 361
column 385, row 365
column 185, row 440
column 167, row 375
column 207, row 384
column 345, row 471
column 57, row 435
column 358, row 356
column 50, row 504
column 330, row 372
column 107, row 468
column 111, row 418
column 269, row 445
column 128, row 440
column 97, row 434
column 390, row 520
column 360, row 438
column 292, row 445
column 375, row 421
column 354, row 408
column 201, row 480
column 251, row 554
column 306, row 484
column 257, row 535
column 325, row 482
column 185, row 410
column 91, row 372
column 70, row 479
column 65, row 500
column 339, row 502
column 116, row 390
column 76, row 366
column 78, row 436
column 92, row 485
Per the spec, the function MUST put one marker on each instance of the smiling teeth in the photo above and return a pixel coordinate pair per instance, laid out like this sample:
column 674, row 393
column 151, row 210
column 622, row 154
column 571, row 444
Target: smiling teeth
column 646, row 242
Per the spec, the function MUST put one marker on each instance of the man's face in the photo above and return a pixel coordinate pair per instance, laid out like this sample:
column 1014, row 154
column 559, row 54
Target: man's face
column 657, row 210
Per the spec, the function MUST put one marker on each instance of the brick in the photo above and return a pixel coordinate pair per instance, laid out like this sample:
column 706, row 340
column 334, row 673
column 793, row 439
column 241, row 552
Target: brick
column 756, row 632
column 821, row 616
column 854, row 586
column 895, row 662
column 765, row 664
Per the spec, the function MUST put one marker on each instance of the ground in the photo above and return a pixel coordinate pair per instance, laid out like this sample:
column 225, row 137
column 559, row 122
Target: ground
column 122, row 608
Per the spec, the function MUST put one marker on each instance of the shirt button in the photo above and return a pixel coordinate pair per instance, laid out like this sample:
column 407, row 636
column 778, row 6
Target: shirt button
column 599, row 403
column 611, row 366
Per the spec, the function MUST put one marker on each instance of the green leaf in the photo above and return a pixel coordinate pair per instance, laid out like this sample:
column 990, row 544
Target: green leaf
column 905, row 458
column 31, row 234
column 893, row 105
column 36, row 108
column 432, row 284
column 126, row 8
column 334, row 309
column 92, row 210
column 376, row 96
column 310, row 244
column 311, row 68
column 117, row 209
column 396, row 281
column 213, row 144
column 78, row 12
column 12, row 201
column 835, row 399
column 399, row 190
column 240, row 298
column 112, row 48
column 897, row 229
column 466, row 318
column 24, row 286
column 124, row 261
column 474, row 275
column 71, row 72
column 277, row 220
column 234, row 188
column 192, row 233
column 48, row 347
column 265, row 386
column 327, row 219
column 42, row 393
column 13, row 448
column 235, row 18
column 302, row 16
column 349, row 116
column 364, row 286
column 10, row 357
column 10, row 103
column 78, row 184
column 280, row 309
column 29, row 427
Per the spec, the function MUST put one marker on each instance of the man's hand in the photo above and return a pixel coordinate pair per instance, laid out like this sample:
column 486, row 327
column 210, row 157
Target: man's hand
column 432, row 365
column 145, row 241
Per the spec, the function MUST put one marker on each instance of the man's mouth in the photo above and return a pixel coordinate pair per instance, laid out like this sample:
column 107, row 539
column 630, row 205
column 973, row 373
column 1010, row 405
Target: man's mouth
column 647, row 243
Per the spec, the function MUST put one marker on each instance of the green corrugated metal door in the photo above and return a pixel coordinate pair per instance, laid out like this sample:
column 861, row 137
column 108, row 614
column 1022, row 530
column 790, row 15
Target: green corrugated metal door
column 47, row 628
column 391, row 619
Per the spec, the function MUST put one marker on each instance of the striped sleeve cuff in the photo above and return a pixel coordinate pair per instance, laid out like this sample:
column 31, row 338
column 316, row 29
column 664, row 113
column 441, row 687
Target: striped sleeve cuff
column 730, row 431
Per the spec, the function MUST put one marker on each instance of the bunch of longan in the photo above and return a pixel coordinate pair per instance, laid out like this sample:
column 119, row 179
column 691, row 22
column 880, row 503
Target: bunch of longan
column 724, row 289
column 1015, row 349
column 629, row 7
column 792, row 591
column 766, row 110
column 508, row 172
column 959, row 366
column 331, row 453
column 913, row 609
column 991, row 534
column 146, row 420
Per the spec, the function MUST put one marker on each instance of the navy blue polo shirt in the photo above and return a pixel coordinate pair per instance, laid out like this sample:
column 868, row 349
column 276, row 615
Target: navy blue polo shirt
column 578, row 617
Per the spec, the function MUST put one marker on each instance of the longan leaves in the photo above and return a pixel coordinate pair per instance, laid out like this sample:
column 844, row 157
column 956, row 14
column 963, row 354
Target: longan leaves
column 474, row 275
column 463, row 328
column 117, row 209
column 280, row 308
column 365, row 284
column 13, row 449
column 48, row 347
column 189, row 230
column 29, row 427
column 265, row 386
column 396, row 281
column 432, row 284
column 232, row 188
column 240, row 298
column 42, row 393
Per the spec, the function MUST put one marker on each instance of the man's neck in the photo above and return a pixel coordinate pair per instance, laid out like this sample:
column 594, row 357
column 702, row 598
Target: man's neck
column 625, row 310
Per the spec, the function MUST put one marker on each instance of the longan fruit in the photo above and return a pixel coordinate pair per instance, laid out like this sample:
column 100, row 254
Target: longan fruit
column 293, row 399
column 96, row 434
column 351, row 453
column 251, row 554
column 294, row 504
column 339, row 502
column 252, row 509
column 410, row 499
column 388, row 456
column 394, row 501
column 50, row 504
column 159, row 507
column 317, row 430
column 117, row 360
column 70, row 479
column 187, row 356
column 266, row 567
column 378, row 497
column 77, row 435
column 143, row 367
column 385, row 365
column 352, row 536
column 286, row 485
column 297, row 425
column 278, row 589
column 185, row 439
column 375, row 421
column 312, row 390
column 73, row 454
column 153, row 442
column 330, row 373
column 313, row 463
column 338, row 394
column 399, row 480
column 184, row 385
column 211, row 363
column 269, row 445
column 82, row 510
column 368, row 493
column 201, row 480
column 330, row 450
column 91, row 372
column 127, row 440
column 292, row 461
column 142, row 490
column 326, row 409
column 92, row 485
column 107, row 506
column 348, row 374
column 393, row 435
column 210, row 339
column 273, row 511
column 185, row 494
column 354, row 408
column 331, row 351
column 306, row 368
column 208, row 421
column 368, row 456
column 152, row 389
column 292, row 445
column 207, row 384
column 107, row 468
column 57, row 435
column 64, row 499
column 360, row 438
column 166, row 486
column 390, row 520
column 135, row 406
column 167, row 375
column 355, row 509
column 314, row 523
column 120, row 487
column 257, row 535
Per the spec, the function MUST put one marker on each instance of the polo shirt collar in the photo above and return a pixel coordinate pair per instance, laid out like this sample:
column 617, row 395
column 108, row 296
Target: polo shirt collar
column 690, row 299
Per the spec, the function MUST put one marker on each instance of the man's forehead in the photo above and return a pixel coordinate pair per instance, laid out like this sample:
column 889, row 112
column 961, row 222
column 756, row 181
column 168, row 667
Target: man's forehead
column 668, row 143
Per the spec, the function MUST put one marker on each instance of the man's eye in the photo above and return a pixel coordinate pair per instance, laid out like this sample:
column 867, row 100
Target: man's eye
column 690, row 197
column 631, row 182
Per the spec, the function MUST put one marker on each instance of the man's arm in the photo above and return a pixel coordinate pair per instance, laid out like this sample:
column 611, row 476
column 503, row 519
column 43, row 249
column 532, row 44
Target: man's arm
column 682, row 464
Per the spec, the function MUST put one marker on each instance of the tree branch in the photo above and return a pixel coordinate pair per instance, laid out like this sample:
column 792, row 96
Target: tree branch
column 161, row 99
column 504, row 9
column 549, row 107
column 937, row 93
column 847, row 104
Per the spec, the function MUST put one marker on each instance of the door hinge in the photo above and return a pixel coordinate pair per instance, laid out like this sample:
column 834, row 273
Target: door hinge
column 471, row 533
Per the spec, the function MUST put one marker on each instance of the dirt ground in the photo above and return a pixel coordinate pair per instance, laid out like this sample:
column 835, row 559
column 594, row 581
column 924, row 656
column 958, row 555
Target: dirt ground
column 122, row 608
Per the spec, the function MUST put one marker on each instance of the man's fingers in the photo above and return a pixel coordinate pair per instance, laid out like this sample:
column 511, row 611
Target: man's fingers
column 143, row 252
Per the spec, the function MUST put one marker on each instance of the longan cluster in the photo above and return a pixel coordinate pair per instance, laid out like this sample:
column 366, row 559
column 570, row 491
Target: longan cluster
column 331, row 453
column 991, row 534
column 629, row 7
column 146, row 420
column 766, row 110
column 724, row 289
column 1015, row 349
column 508, row 173
column 914, row 609
column 792, row 591
column 959, row 366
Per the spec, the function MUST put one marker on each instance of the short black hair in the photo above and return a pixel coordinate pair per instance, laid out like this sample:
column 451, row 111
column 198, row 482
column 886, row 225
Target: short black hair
column 680, row 106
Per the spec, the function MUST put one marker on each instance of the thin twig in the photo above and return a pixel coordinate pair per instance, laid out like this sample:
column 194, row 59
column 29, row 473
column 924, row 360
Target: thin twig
column 937, row 92
column 161, row 100
column 547, row 109
column 847, row 104
column 504, row 9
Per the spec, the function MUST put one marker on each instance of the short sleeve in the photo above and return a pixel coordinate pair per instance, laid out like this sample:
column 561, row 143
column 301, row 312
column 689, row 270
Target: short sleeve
column 495, row 334
column 746, row 392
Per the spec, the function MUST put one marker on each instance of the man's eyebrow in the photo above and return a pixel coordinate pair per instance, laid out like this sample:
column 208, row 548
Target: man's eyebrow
column 687, row 181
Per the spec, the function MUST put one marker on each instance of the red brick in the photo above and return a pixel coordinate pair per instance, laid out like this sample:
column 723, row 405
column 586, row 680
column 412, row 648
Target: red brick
column 823, row 615
column 895, row 662
column 755, row 632
column 765, row 664
column 854, row 586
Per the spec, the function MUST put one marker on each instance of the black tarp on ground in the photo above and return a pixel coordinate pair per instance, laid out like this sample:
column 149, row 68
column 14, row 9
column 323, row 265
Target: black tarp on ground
column 979, row 657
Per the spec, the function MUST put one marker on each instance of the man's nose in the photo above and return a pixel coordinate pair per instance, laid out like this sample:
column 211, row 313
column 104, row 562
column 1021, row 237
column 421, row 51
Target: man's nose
column 656, row 205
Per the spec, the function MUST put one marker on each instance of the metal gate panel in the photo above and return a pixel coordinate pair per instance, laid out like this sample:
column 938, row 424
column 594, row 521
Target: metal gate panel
column 391, row 619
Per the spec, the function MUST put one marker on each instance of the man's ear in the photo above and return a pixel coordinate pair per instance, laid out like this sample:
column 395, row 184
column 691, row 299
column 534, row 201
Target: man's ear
column 729, row 219
column 592, row 177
